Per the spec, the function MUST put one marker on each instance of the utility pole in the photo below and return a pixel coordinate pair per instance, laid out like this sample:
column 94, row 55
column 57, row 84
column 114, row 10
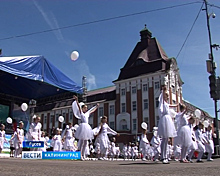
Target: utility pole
column 212, row 77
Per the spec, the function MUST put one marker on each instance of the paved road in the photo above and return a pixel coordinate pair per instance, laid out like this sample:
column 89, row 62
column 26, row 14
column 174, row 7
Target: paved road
column 18, row 167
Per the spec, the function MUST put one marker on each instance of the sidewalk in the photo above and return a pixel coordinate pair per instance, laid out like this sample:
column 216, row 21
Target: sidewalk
column 4, row 155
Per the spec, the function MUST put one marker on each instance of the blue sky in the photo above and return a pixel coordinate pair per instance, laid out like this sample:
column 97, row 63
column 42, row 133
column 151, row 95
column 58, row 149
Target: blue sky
column 105, row 46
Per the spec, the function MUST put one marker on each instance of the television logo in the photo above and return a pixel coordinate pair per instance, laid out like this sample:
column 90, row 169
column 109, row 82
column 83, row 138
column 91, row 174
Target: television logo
column 33, row 144
column 32, row 155
column 61, row 155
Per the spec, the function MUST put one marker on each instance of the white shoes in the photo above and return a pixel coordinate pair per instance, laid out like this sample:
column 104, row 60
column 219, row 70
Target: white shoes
column 165, row 161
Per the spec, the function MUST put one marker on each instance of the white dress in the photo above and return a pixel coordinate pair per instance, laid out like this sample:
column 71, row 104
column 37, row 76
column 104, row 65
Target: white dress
column 2, row 138
column 43, row 149
column 102, row 138
column 166, row 126
column 210, row 146
column 200, row 139
column 194, row 145
column 57, row 143
column 69, row 140
column 84, row 131
column 144, row 143
column 155, row 142
column 124, row 150
column 35, row 131
column 18, row 134
column 184, row 132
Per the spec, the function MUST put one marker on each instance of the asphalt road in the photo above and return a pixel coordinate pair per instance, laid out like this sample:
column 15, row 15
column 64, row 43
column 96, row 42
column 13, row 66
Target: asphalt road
column 18, row 167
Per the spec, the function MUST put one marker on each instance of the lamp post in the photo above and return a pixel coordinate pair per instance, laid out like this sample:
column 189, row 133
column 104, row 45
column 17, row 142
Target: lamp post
column 212, row 77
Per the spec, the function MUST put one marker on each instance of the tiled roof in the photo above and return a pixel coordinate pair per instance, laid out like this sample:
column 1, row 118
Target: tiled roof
column 107, row 94
column 191, row 108
column 147, row 57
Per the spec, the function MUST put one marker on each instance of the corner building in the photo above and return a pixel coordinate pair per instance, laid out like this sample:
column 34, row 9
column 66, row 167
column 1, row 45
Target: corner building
column 133, row 98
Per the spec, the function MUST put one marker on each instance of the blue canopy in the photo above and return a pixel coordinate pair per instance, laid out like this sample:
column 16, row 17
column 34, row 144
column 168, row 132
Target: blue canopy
column 33, row 77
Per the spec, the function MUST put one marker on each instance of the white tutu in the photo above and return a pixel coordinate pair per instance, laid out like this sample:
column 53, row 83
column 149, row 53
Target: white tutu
column 210, row 147
column 103, row 140
column 184, row 136
column 166, row 127
column 84, row 132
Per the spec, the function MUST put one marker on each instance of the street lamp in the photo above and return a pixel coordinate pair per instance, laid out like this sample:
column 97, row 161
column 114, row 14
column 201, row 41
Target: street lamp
column 212, row 77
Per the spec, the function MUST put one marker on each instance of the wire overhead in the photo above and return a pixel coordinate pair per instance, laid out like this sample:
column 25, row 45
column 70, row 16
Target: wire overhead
column 190, row 31
column 98, row 21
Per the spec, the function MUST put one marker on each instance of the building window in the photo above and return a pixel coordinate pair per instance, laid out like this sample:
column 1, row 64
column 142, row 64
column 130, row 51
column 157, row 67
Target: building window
column 157, row 102
column 157, row 118
column 146, row 119
column 173, row 89
column 134, row 89
column 145, row 88
column 57, row 116
column 123, row 107
column 112, row 125
column 51, row 118
column 145, row 103
column 157, row 85
column 122, row 92
column 45, row 119
column 64, row 115
column 134, row 105
column 111, row 109
column 134, row 124
column 71, row 116
column 101, row 111
column 123, row 125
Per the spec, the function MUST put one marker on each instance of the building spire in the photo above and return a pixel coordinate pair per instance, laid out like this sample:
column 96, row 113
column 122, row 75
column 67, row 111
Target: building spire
column 145, row 33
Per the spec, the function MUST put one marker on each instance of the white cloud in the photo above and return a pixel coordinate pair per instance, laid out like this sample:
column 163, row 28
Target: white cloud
column 51, row 21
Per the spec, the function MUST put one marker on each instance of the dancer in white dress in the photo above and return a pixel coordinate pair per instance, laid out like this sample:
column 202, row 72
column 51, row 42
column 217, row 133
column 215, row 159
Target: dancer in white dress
column 57, row 141
column 2, row 137
column 144, row 143
column 102, row 137
column 18, row 139
column 68, row 137
column 125, row 151
column 155, row 143
column 134, row 152
column 166, row 128
column 209, row 145
column 84, row 131
column 44, row 140
column 184, row 133
column 201, row 142
column 194, row 145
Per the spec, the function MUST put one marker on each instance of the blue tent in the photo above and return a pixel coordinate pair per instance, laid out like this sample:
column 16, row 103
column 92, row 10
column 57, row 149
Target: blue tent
column 33, row 77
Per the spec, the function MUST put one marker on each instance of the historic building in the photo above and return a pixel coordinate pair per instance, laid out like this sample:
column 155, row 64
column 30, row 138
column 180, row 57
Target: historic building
column 133, row 98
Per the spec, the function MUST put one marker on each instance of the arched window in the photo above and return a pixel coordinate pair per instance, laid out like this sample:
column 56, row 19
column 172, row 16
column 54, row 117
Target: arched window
column 123, row 125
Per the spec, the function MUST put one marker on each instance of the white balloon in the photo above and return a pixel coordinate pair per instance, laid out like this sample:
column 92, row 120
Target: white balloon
column 206, row 123
column 75, row 126
column 197, row 113
column 74, row 55
column 172, row 113
column 9, row 120
column 144, row 125
column 24, row 106
column 61, row 119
